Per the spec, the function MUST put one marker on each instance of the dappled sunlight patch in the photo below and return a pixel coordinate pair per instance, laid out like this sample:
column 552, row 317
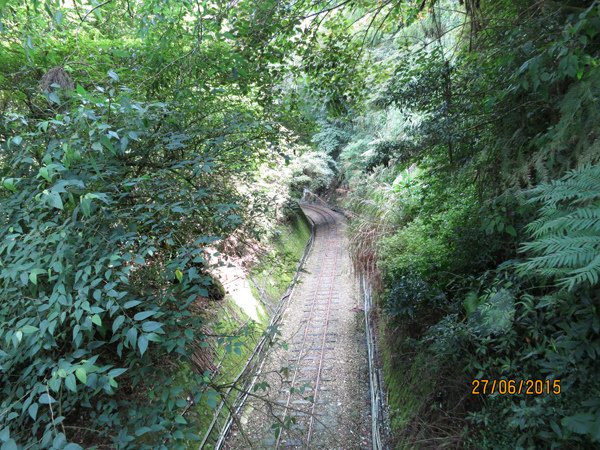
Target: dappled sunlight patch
column 234, row 278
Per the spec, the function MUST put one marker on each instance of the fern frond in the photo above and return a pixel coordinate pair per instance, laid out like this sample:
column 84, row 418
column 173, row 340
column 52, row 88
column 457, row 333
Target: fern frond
column 555, row 244
column 566, row 235
column 589, row 273
column 578, row 186
column 567, row 259
column 583, row 219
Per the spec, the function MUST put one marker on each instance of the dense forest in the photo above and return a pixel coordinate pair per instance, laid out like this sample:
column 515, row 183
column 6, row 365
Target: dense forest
column 139, row 138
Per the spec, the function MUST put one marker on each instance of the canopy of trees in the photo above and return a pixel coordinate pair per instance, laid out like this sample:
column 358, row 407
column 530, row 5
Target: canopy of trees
column 134, row 134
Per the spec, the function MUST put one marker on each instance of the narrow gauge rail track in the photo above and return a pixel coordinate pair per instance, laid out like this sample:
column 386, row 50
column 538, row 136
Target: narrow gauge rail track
column 310, row 348
column 317, row 384
column 379, row 414
column 255, row 362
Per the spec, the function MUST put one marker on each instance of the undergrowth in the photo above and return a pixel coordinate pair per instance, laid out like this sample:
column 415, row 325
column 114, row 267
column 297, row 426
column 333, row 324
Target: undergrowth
column 275, row 271
column 475, row 214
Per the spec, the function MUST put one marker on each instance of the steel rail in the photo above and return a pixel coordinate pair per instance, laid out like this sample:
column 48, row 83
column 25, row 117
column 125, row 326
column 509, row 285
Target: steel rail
column 377, row 398
column 321, row 358
column 320, row 370
column 379, row 417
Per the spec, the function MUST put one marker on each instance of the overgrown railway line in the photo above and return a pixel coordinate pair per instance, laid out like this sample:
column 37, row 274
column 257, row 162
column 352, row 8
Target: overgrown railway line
column 318, row 387
column 310, row 352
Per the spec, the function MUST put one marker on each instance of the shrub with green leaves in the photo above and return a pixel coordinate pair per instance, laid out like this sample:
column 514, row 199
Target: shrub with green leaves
column 103, row 222
column 551, row 337
column 331, row 138
column 411, row 298
column 312, row 170
column 418, row 247
column 497, row 99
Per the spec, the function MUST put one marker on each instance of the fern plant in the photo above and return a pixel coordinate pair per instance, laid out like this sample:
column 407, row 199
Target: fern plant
column 566, row 236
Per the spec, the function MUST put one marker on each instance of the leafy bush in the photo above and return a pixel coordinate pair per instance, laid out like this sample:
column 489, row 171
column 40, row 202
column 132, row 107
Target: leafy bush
column 331, row 138
column 418, row 247
column 408, row 295
column 386, row 152
column 494, row 314
column 311, row 170
column 102, row 227
column 433, row 245
column 513, row 108
column 550, row 337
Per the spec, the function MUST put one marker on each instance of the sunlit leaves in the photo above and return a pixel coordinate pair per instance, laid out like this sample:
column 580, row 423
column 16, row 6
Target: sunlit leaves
column 81, row 374
column 112, row 74
column 179, row 275
column 104, row 227
column 33, row 275
column 108, row 201
column 9, row 183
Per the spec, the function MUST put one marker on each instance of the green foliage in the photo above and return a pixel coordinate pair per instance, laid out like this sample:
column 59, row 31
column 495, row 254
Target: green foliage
column 312, row 170
column 462, row 113
column 567, row 233
column 419, row 247
column 134, row 134
column 494, row 313
column 131, row 133
column 102, row 255
column 410, row 385
column 334, row 66
column 411, row 297
column 331, row 138
column 552, row 337
column 437, row 231
column 274, row 273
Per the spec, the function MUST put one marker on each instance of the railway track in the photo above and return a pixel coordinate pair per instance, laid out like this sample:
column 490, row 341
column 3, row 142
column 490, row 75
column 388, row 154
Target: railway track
column 318, row 394
column 317, row 336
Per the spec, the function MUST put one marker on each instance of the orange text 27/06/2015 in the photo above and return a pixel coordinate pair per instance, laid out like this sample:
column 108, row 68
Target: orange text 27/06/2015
column 485, row 386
